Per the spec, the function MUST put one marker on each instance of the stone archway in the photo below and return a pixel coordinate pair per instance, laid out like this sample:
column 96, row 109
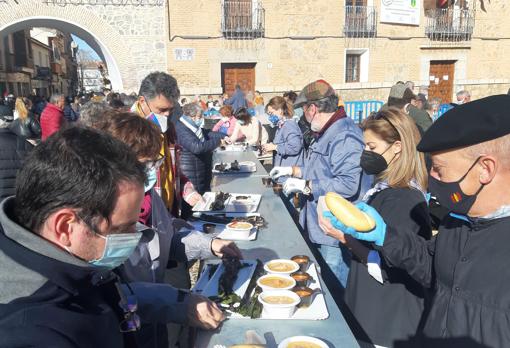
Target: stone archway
column 124, row 37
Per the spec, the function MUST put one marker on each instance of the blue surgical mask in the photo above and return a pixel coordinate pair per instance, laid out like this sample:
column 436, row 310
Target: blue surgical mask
column 117, row 249
column 273, row 119
column 152, row 178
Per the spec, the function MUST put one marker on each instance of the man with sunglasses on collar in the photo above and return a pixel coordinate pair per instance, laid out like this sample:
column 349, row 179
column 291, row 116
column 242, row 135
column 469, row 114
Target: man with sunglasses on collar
column 466, row 264
column 331, row 164
column 72, row 221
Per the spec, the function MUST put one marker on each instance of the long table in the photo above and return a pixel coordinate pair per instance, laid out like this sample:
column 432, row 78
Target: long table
column 280, row 239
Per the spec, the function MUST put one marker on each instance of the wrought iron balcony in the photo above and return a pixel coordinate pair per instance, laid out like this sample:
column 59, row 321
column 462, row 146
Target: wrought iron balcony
column 360, row 21
column 242, row 19
column 450, row 24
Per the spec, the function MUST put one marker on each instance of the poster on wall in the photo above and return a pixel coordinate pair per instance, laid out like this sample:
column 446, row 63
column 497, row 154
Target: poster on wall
column 400, row 11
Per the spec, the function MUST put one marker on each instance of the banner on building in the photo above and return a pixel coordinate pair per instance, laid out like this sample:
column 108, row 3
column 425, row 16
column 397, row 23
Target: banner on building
column 400, row 11
column 184, row 54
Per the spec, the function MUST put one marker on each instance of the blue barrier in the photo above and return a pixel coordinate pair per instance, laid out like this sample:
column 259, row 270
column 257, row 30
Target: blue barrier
column 359, row 110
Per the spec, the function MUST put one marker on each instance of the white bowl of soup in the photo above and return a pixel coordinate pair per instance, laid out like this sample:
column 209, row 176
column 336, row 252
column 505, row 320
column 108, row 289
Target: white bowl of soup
column 242, row 229
column 276, row 282
column 281, row 266
column 278, row 304
column 302, row 342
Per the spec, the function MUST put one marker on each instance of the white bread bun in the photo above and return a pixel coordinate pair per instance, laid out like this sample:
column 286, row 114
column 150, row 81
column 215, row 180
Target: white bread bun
column 348, row 214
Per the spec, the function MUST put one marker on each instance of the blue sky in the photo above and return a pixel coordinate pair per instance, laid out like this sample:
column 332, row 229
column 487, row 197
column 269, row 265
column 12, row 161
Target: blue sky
column 84, row 47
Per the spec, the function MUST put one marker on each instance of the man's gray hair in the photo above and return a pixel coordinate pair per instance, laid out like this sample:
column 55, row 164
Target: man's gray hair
column 463, row 93
column 92, row 112
column 192, row 109
column 55, row 98
column 160, row 83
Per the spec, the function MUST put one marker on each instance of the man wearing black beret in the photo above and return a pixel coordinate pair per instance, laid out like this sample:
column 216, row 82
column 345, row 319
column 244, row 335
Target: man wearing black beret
column 467, row 264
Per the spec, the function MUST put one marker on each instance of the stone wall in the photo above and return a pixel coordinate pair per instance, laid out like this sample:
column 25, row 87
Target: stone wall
column 132, row 39
column 398, row 53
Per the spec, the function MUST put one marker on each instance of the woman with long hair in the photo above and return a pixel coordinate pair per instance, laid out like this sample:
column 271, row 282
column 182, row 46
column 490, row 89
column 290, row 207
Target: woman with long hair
column 288, row 141
column 387, row 303
column 25, row 124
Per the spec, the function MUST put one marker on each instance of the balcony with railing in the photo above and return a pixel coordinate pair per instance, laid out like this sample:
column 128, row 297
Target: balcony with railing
column 360, row 21
column 242, row 19
column 450, row 24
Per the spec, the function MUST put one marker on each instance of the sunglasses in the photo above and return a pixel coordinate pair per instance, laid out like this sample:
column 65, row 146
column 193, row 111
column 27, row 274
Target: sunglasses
column 380, row 116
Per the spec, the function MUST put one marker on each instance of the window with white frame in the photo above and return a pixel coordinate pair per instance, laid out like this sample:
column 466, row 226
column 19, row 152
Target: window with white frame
column 356, row 65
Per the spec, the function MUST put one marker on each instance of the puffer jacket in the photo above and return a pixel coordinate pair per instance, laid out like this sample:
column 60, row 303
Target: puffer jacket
column 28, row 128
column 196, row 155
column 13, row 150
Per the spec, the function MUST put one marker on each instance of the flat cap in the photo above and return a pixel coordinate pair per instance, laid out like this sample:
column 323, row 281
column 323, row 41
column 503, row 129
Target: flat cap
column 469, row 124
column 400, row 95
column 314, row 91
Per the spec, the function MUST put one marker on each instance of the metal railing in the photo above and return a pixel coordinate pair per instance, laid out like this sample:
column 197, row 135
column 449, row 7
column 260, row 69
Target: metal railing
column 450, row 24
column 360, row 21
column 242, row 19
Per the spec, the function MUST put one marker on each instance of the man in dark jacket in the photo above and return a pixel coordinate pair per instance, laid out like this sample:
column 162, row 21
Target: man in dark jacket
column 466, row 264
column 71, row 222
column 13, row 150
column 401, row 98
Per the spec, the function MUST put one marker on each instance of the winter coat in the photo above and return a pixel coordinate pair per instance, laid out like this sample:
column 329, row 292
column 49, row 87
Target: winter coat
column 13, row 150
column 238, row 100
column 332, row 164
column 28, row 128
column 52, row 119
column 50, row 298
column 400, row 297
column 196, row 155
column 289, row 146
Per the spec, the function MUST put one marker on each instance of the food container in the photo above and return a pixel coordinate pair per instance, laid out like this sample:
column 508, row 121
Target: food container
column 208, row 228
column 277, row 188
column 302, row 341
column 267, row 181
column 301, row 278
column 306, row 295
column 276, row 282
column 243, row 203
column 303, row 261
column 247, row 166
column 278, row 304
column 281, row 266
column 241, row 228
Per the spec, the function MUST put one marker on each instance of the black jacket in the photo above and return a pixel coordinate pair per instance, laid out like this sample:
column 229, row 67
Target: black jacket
column 196, row 155
column 467, row 266
column 13, row 150
column 392, row 311
column 50, row 298
column 28, row 128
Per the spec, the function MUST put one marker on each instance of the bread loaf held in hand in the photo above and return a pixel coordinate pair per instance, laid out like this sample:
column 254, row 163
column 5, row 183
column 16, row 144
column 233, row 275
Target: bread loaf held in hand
column 347, row 213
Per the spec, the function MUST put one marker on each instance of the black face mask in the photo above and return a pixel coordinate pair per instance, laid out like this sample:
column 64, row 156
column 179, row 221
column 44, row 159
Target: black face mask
column 372, row 162
column 450, row 195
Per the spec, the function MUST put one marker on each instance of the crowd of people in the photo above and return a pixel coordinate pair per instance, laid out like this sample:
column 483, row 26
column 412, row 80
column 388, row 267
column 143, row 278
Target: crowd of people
column 97, row 191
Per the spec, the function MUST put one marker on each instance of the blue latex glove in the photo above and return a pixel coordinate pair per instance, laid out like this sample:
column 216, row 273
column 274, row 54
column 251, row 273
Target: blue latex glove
column 376, row 235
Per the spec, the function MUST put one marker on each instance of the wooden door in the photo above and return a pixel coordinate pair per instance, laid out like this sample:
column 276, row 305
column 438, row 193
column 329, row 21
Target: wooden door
column 242, row 74
column 441, row 80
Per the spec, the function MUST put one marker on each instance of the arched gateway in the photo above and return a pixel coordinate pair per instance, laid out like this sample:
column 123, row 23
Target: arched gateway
column 130, row 39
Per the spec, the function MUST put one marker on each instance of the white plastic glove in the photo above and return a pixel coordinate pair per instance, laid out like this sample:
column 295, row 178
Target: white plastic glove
column 276, row 172
column 295, row 185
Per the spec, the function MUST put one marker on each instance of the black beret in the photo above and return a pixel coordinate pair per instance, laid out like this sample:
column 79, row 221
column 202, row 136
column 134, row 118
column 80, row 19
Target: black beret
column 469, row 124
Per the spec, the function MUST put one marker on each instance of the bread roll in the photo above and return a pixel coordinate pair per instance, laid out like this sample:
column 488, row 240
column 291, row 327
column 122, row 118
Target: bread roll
column 348, row 214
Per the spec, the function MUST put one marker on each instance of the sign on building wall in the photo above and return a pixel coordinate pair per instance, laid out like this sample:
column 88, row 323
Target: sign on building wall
column 184, row 54
column 400, row 11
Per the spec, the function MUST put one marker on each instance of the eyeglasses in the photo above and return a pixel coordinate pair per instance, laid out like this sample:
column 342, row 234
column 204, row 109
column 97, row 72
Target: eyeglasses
column 131, row 321
column 150, row 165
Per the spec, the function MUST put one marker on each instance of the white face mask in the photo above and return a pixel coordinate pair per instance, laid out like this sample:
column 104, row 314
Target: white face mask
column 159, row 120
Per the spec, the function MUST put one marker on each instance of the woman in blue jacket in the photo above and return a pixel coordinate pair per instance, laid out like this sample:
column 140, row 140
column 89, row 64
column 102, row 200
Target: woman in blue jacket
column 288, row 141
